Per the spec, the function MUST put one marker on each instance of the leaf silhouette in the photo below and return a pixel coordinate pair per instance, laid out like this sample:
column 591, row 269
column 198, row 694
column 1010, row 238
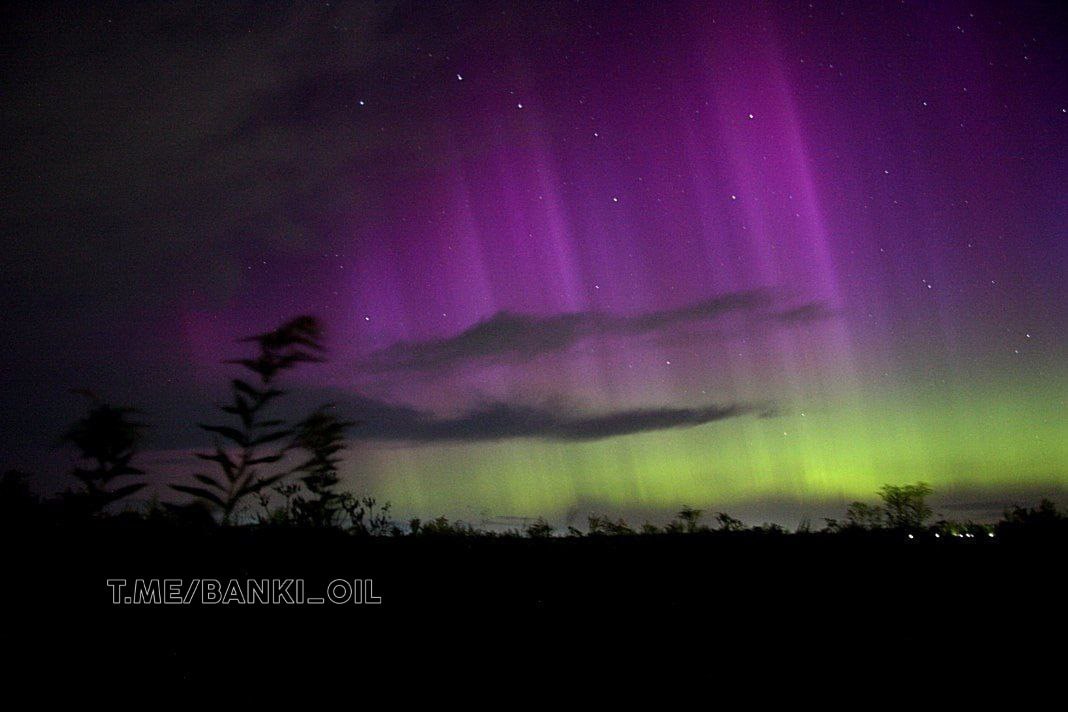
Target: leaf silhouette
column 125, row 491
column 210, row 481
column 246, row 388
column 232, row 434
column 200, row 493
column 272, row 437
column 266, row 459
column 253, row 486
column 220, row 457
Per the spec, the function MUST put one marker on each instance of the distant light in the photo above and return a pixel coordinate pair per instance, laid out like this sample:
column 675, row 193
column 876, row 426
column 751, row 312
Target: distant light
column 911, row 537
column 938, row 536
column 990, row 534
column 459, row 78
column 519, row 106
column 750, row 116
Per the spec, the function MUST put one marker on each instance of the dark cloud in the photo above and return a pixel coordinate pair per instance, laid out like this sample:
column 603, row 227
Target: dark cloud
column 507, row 334
column 497, row 421
column 153, row 152
column 813, row 311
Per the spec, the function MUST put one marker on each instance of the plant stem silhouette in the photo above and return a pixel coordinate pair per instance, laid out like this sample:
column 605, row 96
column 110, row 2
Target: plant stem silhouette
column 365, row 521
column 322, row 437
column 241, row 469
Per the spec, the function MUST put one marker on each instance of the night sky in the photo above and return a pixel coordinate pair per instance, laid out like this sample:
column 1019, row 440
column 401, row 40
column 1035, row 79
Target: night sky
column 572, row 256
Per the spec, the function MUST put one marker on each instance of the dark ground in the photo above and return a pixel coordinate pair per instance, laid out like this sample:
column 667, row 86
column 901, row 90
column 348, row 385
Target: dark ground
column 469, row 597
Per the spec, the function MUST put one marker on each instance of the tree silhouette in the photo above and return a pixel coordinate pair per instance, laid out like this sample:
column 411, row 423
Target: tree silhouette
column 905, row 505
column 1043, row 520
column 689, row 518
column 241, row 472
column 108, row 438
column 861, row 515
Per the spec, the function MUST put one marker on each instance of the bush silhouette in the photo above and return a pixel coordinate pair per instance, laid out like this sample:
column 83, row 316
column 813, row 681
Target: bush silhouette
column 108, row 439
column 18, row 506
column 363, row 519
column 539, row 529
column 441, row 526
column 604, row 526
column 727, row 523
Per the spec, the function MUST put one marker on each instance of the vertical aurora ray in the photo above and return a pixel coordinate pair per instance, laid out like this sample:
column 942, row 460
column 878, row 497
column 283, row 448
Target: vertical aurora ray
column 715, row 191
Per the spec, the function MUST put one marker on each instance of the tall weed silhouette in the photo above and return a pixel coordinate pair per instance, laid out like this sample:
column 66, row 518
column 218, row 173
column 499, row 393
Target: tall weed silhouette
column 256, row 442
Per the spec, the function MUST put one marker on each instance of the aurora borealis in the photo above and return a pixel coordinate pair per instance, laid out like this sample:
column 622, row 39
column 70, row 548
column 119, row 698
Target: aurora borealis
column 572, row 256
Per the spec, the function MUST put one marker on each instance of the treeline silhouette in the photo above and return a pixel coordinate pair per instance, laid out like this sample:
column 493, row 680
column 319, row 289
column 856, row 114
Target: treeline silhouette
column 311, row 503
column 268, row 471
